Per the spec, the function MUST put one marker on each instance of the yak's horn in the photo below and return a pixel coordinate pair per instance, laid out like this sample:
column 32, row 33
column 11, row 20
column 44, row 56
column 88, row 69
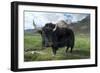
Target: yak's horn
column 34, row 25
column 55, row 27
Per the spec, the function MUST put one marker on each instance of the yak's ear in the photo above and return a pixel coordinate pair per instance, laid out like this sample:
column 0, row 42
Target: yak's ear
column 39, row 31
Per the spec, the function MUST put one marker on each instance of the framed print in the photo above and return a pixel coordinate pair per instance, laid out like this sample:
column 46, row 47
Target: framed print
column 52, row 36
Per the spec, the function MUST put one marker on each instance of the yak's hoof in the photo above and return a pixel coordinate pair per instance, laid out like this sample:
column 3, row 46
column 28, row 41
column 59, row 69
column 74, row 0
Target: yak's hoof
column 70, row 51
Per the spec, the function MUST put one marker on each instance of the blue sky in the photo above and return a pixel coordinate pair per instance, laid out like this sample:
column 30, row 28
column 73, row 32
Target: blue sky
column 41, row 18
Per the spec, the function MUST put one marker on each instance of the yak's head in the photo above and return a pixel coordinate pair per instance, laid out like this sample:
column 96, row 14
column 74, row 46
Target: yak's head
column 47, row 34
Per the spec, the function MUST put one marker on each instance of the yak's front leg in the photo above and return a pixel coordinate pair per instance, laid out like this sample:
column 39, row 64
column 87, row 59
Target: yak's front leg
column 54, row 50
column 43, row 44
column 54, row 46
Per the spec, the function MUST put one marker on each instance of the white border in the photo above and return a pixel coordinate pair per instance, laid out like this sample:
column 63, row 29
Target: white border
column 22, row 64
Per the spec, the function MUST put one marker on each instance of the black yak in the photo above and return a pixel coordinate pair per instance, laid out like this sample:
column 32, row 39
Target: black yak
column 55, row 37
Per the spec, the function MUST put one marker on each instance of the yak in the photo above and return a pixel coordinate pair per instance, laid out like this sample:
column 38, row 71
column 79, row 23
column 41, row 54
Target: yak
column 55, row 37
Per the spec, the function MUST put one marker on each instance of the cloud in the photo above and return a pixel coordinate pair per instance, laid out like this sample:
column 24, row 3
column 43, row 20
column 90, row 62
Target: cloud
column 41, row 18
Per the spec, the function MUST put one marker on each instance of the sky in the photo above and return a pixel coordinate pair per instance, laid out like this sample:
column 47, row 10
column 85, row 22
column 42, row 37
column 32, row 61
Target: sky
column 41, row 18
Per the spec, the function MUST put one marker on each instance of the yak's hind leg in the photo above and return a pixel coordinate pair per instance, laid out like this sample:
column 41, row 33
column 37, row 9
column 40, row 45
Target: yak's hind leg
column 54, row 50
column 71, row 50
column 67, row 49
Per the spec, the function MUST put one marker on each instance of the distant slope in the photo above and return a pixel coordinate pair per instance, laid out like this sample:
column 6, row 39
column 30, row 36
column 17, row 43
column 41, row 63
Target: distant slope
column 82, row 26
column 30, row 31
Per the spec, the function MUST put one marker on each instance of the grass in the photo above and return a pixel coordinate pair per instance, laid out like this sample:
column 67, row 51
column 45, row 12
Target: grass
column 33, row 43
column 82, row 41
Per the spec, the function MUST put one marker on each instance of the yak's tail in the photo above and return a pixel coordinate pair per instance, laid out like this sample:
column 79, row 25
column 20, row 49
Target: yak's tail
column 72, row 39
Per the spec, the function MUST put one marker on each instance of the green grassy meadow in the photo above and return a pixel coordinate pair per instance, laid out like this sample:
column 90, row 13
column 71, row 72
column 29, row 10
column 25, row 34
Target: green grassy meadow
column 33, row 51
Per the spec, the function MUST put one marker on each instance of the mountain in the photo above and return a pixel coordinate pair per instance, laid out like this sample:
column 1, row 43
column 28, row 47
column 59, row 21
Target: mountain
column 82, row 26
column 30, row 30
